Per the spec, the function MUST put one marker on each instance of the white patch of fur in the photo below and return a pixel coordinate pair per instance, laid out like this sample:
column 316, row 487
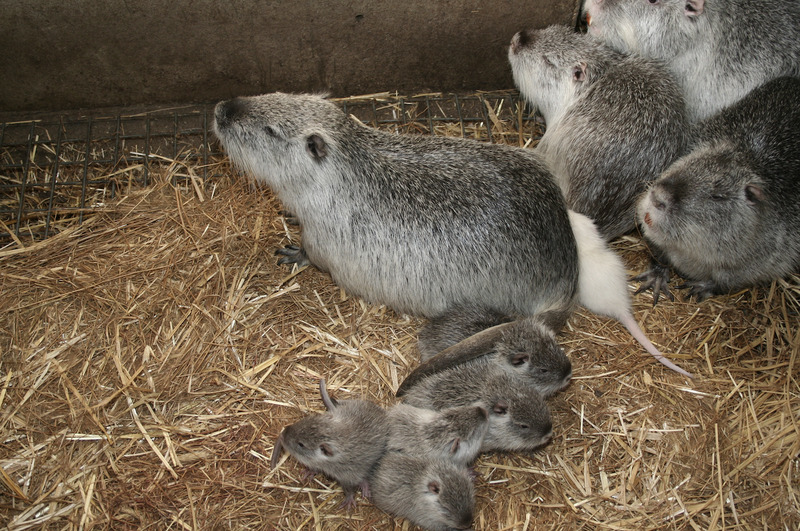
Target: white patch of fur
column 602, row 280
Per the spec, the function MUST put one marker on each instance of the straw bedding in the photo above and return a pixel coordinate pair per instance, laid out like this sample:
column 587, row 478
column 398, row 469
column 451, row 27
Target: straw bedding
column 152, row 355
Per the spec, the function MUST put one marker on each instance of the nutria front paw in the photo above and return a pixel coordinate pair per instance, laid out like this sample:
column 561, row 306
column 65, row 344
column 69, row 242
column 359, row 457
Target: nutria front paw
column 657, row 279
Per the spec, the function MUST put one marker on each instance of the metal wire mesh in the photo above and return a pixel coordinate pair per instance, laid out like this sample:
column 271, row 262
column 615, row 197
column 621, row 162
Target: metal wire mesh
column 54, row 172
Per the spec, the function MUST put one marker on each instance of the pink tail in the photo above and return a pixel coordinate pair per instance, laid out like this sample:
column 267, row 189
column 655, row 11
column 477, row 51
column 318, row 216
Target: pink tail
column 637, row 333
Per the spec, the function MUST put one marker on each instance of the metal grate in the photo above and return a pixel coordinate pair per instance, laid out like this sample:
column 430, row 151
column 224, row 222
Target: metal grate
column 54, row 172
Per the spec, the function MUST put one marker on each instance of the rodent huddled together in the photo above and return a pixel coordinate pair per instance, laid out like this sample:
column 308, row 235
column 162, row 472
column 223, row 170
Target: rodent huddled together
column 673, row 116
column 670, row 116
column 413, row 459
column 717, row 50
column 412, row 462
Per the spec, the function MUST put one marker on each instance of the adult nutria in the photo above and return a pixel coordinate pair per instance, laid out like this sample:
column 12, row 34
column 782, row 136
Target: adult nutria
column 727, row 215
column 614, row 122
column 418, row 223
column 718, row 50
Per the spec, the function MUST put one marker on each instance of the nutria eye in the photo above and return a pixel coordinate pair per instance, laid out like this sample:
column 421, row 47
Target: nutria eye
column 718, row 197
column 654, row 2
column 270, row 130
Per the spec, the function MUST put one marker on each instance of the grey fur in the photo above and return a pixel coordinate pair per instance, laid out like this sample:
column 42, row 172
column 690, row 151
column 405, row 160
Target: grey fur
column 455, row 434
column 614, row 122
column 727, row 215
column 434, row 494
column 519, row 418
column 455, row 325
column 345, row 443
column 525, row 347
column 718, row 50
column 419, row 223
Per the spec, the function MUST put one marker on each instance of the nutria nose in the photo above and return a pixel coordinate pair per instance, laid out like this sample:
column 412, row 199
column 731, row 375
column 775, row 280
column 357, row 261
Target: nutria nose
column 227, row 112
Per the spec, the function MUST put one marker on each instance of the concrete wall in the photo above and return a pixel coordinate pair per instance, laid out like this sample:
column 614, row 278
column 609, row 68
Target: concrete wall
column 95, row 53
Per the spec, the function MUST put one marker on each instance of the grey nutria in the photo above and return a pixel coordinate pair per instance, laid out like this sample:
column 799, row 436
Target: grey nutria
column 519, row 418
column 455, row 434
column 525, row 347
column 718, row 50
column 614, row 121
column 420, row 223
column 727, row 215
column 345, row 443
column 434, row 494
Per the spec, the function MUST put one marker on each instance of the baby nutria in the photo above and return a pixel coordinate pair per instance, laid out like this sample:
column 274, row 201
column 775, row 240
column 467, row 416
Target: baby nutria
column 525, row 347
column 459, row 323
column 455, row 434
column 344, row 444
column 519, row 418
column 419, row 223
column 614, row 122
column 718, row 50
column 434, row 494
column 727, row 215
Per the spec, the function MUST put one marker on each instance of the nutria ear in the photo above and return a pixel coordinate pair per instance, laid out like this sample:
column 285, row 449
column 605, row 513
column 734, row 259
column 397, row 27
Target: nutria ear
column 579, row 72
column 520, row 358
column 326, row 449
column 500, row 408
column 316, row 146
column 433, row 486
column 693, row 8
column 455, row 445
column 754, row 194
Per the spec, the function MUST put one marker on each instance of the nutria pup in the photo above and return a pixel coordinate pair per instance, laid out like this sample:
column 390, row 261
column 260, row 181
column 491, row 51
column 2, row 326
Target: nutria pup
column 519, row 418
column 434, row 494
column 525, row 347
column 455, row 434
column 345, row 443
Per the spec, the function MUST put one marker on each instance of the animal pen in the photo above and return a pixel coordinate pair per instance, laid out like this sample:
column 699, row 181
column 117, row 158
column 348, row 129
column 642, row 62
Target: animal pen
column 153, row 351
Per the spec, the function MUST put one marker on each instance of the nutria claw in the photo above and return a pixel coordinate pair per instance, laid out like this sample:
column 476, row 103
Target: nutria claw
column 657, row 279
column 293, row 254
column 699, row 289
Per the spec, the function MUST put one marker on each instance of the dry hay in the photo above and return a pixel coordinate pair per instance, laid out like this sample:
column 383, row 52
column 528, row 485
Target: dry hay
column 153, row 354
